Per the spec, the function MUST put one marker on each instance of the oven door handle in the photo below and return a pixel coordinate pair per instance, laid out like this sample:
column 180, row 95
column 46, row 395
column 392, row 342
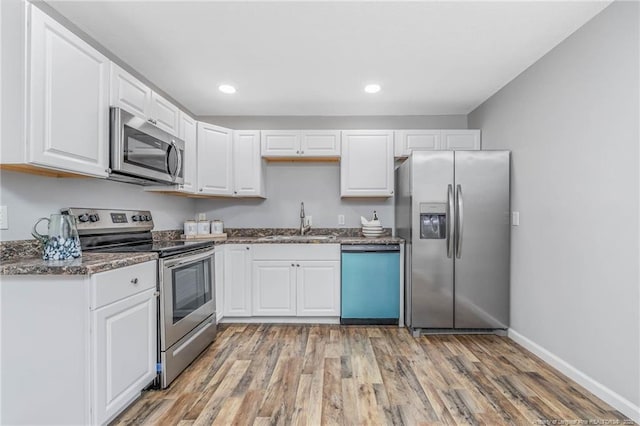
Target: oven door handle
column 188, row 259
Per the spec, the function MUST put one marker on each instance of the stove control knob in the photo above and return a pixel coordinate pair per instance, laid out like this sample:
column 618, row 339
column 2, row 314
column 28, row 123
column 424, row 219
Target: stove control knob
column 135, row 217
column 84, row 217
column 148, row 217
column 94, row 217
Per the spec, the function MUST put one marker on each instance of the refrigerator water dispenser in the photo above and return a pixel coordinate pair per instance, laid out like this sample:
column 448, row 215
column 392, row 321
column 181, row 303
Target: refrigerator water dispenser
column 433, row 221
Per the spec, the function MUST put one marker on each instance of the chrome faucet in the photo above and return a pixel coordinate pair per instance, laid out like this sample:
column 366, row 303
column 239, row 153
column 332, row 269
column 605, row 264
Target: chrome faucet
column 303, row 228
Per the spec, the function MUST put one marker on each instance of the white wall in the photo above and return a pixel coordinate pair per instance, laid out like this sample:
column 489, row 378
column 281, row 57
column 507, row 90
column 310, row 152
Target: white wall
column 288, row 184
column 571, row 121
column 29, row 197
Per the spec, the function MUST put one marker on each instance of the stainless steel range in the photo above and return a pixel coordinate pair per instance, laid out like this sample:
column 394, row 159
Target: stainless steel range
column 187, row 320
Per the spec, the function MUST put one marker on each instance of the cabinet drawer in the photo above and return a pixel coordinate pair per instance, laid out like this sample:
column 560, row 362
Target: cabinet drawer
column 107, row 287
column 296, row 251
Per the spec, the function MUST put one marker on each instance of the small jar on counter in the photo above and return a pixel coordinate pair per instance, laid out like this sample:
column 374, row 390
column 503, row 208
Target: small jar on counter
column 204, row 227
column 190, row 228
column 217, row 227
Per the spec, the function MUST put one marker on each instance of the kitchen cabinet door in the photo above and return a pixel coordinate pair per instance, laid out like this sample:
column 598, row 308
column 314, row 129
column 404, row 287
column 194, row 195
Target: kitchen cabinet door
column 129, row 93
column 125, row 352
column 188, row 133
column 214, row 159
column 320, row 143
column 318, row 288
column 69, row 100
column 165, row 114
column 248, row 172
column 237, row 281
column 274, row 288
column 408, row 140
column 366, row 166
column 466, row 140
column 280, row 143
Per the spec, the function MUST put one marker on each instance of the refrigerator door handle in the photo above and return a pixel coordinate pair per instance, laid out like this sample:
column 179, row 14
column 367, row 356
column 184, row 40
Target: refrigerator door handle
column 460, row 221
column 450, row 227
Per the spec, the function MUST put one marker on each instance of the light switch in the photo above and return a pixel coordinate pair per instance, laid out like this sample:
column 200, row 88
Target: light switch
column 340, row 219
column 515, row 218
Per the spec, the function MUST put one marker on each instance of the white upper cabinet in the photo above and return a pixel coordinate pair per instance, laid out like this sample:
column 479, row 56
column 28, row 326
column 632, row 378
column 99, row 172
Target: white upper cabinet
column 461, row 139
column 408, row 140
column 320, row 143
column 215, row 156
column 433, row 139
column 68, row 100
column 165, row 115
column 366, row 167
column 248, row 170
column 280, row 143
column 129, row 93
column 188, row 133
column 300, row 143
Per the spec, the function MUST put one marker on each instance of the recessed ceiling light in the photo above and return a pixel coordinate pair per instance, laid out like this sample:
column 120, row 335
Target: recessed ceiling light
column 227, row 88
column 372, row 88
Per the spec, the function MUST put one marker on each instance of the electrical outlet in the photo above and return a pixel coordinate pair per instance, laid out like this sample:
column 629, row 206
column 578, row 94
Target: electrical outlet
column 4, row 219
column 515, row 218
column 309, row 220
column 340, row 219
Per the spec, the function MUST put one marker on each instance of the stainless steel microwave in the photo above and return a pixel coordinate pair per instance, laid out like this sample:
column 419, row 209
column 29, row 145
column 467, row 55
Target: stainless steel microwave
column 142, row 153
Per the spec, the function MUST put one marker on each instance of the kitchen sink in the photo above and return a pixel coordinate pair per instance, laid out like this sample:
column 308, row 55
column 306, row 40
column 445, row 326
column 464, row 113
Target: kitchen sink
column 297, row 237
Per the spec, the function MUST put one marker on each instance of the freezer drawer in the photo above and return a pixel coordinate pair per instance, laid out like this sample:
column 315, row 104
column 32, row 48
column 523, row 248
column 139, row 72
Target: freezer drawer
column 370, row 287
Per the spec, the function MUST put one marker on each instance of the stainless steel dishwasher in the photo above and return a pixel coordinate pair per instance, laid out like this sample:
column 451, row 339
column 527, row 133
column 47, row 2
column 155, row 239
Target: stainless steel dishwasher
column 370, row 284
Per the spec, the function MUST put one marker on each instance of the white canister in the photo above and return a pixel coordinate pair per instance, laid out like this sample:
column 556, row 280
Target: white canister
column 204, row 227
column 190, row 227
column 217, row 227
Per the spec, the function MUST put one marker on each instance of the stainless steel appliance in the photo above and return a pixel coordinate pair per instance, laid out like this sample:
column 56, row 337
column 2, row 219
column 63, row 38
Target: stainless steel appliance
column 142, row 153
column 186, row 286
column 452, row 209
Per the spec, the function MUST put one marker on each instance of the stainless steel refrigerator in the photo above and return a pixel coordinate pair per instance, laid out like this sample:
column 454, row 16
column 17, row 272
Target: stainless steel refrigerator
column 452, row 209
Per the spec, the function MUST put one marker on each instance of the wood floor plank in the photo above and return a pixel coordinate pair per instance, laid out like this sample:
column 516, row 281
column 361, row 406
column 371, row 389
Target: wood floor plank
column 259, row 374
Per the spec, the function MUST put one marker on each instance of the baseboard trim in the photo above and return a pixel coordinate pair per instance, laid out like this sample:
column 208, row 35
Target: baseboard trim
column 612, row 398
column 281, row 320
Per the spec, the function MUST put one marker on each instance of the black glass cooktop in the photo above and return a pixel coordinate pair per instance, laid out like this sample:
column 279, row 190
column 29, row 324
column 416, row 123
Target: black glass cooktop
column 163, row 248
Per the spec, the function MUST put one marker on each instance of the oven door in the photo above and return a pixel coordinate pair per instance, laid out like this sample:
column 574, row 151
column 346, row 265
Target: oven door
column 187, row 295
column 140, row 149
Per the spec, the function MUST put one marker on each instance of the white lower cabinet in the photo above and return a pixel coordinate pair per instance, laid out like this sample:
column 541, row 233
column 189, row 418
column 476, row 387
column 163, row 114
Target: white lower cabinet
column 318, row 288
column 294, row 280
column 274, row 288
column 237, row 280
column 125, row 352
column 78, row 348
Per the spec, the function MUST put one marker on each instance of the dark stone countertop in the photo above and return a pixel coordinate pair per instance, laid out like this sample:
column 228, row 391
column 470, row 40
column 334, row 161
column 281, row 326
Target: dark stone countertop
column 89, row 263
column 23, row 257
column 311, row 240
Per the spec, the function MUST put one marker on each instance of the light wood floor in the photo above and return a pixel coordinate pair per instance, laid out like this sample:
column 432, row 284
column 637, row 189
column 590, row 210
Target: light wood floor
column 328, row 374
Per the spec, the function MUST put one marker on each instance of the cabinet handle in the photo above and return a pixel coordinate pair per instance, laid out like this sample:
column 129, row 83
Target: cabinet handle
column 134, row 281
column 247, row 248
column 298, row 265
column 156, row 294
column 293, row 264
column 200, row 189
column 235, row 192
column 297, row 152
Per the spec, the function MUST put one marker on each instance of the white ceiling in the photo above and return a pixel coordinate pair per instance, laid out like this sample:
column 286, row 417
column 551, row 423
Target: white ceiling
column 314, row 58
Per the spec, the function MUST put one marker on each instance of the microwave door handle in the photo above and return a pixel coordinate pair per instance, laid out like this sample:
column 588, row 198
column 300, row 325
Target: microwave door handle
column 178, row 161
column 179, row 168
